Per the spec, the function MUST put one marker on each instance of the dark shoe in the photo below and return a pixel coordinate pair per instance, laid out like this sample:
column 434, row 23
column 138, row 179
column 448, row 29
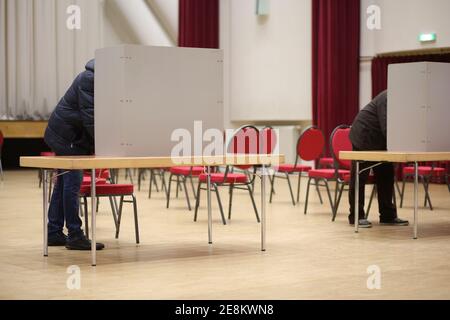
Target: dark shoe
column 363, row 223
column 394, row 222
column 82, row 243
column 57, row 240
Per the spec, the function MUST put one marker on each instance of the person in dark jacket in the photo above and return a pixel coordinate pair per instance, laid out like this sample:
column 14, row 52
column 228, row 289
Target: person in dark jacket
column 70, row 132
column 368, row 133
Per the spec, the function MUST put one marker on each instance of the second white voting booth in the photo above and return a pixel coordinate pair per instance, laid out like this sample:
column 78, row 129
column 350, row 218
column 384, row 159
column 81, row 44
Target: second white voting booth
column 418, row 109
column 143, row 94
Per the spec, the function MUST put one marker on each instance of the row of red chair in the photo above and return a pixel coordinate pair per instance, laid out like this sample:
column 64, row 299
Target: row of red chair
column 310, row 147
column 253, row 141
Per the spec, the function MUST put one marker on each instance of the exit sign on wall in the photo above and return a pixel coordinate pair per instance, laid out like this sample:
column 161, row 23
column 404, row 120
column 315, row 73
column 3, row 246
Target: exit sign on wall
column 427, row 37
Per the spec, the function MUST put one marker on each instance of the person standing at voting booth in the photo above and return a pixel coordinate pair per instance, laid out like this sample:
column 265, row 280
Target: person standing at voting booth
column 368, row 133
column 70, row 132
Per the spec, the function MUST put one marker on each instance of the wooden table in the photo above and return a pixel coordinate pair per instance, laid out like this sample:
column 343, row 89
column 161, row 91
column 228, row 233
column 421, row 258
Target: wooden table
column 396, row 157
column 13, row 129
column 92, row 163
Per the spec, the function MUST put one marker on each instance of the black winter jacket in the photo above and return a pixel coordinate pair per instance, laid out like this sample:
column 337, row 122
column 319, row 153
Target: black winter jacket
column 70, row 130
column 369, row 128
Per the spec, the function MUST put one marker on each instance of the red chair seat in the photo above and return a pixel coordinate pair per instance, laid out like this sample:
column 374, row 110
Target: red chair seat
column 103, row 173
column 326, row 162
column 48, row 154
column 108, row 190
column 292, row 168
column 218, row 178
column 87, row 180
column 327, row 173
column 425, row 171
column 185, row 171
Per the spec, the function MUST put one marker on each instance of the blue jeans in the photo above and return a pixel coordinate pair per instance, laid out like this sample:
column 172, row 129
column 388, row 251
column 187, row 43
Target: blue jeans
column 65, row 204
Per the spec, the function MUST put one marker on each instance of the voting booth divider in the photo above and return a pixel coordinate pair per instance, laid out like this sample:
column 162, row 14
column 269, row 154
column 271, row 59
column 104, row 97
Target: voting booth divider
column 418, row 107
column 144, row 94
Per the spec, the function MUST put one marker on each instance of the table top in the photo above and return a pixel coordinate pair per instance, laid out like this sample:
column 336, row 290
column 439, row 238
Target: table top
column 13, row 129
column 400, row 157
column 95, row 162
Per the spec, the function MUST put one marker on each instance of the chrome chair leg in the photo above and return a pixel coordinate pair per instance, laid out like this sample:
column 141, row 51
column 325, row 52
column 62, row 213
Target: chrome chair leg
column 254, row 204
column 168, row 190
column 197, row 203
column 231, row 201
column 318, row 191
column 272, row 190
column 330, row 199
column 290, row 188
column 220, row 203
column 186, row 193
column 119, row 218
column 338, row 201
column 298, row 186
column 136, row 223
column 113, row 208
column 307, row 195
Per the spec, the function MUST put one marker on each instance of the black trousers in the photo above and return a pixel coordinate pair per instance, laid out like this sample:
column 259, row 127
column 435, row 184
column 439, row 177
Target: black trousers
column 384, row 179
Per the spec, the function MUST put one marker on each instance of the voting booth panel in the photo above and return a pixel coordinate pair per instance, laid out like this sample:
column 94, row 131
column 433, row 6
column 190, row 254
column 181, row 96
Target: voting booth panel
column 143, row 94
column 418, row 107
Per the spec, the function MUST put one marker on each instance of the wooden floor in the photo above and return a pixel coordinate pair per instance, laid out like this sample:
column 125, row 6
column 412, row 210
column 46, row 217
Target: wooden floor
column 308, row 256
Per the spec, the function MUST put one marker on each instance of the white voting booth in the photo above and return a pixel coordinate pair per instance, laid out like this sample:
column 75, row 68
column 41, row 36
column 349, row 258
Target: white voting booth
column 419, row 107
column 143, row 94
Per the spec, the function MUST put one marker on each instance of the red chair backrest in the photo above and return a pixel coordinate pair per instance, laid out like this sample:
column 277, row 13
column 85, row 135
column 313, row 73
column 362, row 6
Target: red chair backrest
column 310, row 144
column 340, row 141
column 245, row 141
column 99, row 173
column 268, row 140
column 47, row 154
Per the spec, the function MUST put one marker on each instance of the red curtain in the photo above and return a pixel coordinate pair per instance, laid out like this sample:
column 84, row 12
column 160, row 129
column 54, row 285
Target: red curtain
column 336, row 49
column 199, row 23
column 380, row 67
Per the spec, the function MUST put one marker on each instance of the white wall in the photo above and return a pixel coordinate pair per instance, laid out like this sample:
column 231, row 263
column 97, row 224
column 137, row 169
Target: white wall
column 401, row 23
column 267, row 60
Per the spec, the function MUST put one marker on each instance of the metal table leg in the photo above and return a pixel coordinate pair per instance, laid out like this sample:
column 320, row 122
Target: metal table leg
column 93, row 212
column 45, row 210
column 208, row 173
column 356, row 213
column 263, row 208
column 416, row 197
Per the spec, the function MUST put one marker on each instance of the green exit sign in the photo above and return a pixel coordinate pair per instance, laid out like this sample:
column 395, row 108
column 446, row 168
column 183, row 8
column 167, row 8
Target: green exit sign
column 427, row 37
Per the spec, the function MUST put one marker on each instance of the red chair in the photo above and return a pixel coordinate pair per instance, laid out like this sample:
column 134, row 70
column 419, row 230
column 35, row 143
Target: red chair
column 426, row 173
column 154, row 172
column 326, row 163
column 250, row 136
column 99, row 173
column 340, row 141
column 182, row 174
column 309, row 148
column 1, row 147
column 111, row 191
